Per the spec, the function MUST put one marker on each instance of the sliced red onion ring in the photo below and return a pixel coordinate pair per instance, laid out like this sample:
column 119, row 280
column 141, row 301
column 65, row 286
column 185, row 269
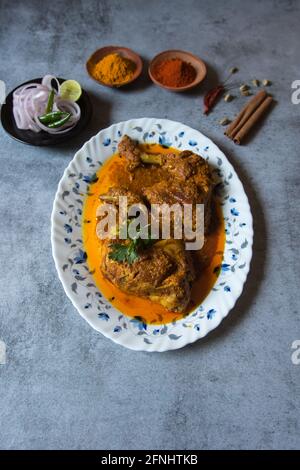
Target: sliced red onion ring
column 30, row 102
column 47, row 82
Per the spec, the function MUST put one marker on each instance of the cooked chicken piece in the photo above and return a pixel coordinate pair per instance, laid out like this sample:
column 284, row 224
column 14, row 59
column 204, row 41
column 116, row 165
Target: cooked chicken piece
column 112, row 196
column 163, row 273
column 188, row 178
column 190, row 183
column 129, row 150
column 171, row 193
column 183, row 166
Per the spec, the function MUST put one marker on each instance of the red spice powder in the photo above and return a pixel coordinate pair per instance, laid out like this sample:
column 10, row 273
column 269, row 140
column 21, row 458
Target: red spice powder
column 174, row 73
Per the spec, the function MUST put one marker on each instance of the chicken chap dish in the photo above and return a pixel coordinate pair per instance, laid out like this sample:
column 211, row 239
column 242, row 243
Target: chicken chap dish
column 156, row 280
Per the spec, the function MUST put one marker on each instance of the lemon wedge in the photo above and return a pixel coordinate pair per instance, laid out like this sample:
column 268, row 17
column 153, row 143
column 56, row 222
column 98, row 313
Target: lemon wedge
column 70, row 90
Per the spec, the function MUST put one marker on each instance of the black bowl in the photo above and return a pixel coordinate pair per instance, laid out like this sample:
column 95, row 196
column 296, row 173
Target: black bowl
column 43, row 138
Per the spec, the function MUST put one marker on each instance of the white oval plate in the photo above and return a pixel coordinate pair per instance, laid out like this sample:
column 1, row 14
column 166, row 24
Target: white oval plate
column 70, row 257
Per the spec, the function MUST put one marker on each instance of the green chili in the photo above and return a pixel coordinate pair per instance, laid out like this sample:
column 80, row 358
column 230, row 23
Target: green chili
column 60, row 122
column 49, row 118
column 50, row 102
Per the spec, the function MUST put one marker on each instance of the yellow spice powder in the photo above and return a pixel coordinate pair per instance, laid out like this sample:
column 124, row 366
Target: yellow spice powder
column 114, row 69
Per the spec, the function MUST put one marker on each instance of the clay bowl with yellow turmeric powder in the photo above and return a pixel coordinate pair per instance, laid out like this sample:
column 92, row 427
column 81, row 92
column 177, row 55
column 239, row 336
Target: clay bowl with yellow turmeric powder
column 114, row 66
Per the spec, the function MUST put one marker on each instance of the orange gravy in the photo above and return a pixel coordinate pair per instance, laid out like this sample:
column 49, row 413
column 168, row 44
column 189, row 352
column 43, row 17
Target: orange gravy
column 206, row 260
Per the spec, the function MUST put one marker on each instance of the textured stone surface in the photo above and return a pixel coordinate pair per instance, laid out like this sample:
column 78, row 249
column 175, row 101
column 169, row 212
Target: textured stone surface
column 66, row 386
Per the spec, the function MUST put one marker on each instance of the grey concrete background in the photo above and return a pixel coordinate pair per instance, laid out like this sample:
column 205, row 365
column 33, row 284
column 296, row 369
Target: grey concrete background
column 64, row 385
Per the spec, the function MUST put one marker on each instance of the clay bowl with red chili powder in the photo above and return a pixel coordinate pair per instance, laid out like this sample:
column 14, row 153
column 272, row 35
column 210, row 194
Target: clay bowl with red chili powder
column 177, row 70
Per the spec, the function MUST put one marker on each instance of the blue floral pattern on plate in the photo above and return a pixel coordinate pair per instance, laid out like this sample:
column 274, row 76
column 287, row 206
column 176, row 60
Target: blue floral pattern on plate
column 71, row 258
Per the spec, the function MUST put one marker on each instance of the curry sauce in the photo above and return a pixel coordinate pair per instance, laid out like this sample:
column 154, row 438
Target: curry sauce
column 206, row 260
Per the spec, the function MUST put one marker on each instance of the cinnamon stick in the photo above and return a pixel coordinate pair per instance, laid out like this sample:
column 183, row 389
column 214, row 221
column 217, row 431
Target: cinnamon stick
column 248, row 116
column 245, row 113
column 252, row 120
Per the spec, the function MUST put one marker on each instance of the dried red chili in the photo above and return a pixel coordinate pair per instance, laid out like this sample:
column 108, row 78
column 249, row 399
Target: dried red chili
column 211, row 97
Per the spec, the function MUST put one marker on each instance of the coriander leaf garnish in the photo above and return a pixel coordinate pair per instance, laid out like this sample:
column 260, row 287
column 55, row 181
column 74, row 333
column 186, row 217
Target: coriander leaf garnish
column 129, row 253
column 124, row 253
column 121, row 253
